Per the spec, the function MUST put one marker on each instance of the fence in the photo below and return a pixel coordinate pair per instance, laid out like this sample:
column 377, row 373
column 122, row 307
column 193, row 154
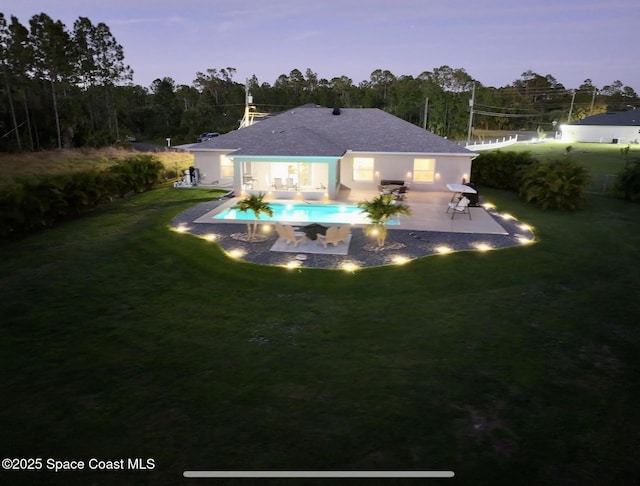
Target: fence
column 493, row 145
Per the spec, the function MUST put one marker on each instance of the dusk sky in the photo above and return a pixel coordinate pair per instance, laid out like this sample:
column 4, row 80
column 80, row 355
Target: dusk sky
column 495, row 41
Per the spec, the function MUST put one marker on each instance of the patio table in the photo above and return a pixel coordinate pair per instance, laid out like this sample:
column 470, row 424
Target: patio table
column 311, row 231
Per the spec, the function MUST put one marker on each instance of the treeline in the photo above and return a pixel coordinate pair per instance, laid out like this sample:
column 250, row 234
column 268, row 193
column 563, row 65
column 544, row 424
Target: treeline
column 70, row 87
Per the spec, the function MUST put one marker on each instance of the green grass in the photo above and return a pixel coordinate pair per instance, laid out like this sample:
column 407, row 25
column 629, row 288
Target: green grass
column 120, row 338
column 603, row 160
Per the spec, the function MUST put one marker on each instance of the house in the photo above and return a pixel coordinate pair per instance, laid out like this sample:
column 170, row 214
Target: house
column 313, row 151
column 610, row 127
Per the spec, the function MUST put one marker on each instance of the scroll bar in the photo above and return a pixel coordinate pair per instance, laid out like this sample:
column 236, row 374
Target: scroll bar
column 318, row 474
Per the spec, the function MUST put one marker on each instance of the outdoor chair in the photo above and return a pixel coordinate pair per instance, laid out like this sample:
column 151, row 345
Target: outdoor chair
column 459, row 207
column 335, row 234
column 344, row 232
column 288, row 234
column 401, row 193
column 290, row 184
column 277, row 183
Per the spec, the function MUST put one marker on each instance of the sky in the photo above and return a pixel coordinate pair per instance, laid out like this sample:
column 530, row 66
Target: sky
column 494, row 41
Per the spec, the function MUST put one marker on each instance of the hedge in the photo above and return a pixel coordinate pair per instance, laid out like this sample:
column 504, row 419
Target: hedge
column 33, row 203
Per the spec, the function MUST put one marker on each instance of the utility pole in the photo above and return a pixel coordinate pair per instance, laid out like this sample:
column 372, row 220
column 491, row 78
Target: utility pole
column 571, row 108
column 426, row 107
column 471, row 102
column 593, row 100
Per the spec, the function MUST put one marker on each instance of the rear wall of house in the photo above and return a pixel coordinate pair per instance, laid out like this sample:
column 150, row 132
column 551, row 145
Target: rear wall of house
column 446, row 169
column 208, row 163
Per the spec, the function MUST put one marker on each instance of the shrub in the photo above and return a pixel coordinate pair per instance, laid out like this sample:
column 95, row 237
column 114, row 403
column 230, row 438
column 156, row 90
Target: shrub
column 34, row 203
column 628, row 181
column 136, row 174
column 554, row 184
column 499, row 169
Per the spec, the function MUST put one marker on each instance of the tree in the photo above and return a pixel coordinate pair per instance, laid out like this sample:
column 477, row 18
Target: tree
column 165, row 104
column 379, row 210
column 54, row 58
column 256, row 204
column 18, row 64
column 101, row 66
column 5, row 69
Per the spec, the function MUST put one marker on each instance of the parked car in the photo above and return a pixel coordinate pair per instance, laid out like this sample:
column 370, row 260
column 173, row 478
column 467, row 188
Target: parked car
column 203, row 137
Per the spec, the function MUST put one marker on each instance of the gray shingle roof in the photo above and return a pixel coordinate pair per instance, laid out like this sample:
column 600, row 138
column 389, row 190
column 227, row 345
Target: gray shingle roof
column 315, row 131
column 628, row 118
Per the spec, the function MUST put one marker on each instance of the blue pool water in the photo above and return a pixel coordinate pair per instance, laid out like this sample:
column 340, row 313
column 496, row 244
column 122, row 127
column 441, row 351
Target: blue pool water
column 305, row 213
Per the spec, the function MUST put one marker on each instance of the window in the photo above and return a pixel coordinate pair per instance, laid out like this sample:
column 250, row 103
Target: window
column 226, row 166
column 362, row 169
column 424, row 170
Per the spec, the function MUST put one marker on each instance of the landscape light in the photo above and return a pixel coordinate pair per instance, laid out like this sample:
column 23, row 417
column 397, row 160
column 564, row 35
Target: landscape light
column 482, row 246
column 293, row 264
column 210, row 237
column 507, row 216
column 349, row 267
column 181, row 228
column 237, row 253
column 399, row 259
column 443, row 250
column 525, row 227
column 523, row 240
column 488, row 206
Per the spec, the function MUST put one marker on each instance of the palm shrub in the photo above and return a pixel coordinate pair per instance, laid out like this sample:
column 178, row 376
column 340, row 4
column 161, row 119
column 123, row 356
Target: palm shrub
column 499, row 169
column 379, row 210
column 628, row 182
column 256, row 204
column 554, row 184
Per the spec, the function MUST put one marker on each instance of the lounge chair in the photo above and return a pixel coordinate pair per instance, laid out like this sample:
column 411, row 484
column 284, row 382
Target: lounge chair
column 344, row 232
column 277, row 183
column 290, row 185
column 459, row 207
column 335, row 235
column 288, row 234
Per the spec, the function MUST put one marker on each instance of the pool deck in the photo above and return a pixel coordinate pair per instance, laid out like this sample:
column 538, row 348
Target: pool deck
column 428, row 231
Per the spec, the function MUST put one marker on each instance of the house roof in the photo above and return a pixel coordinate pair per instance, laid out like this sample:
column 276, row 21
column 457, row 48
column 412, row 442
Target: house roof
column 612, row 118
column 315, row 131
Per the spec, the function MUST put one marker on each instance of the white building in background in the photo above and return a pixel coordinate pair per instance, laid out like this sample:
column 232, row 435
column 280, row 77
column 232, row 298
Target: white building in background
column 611, row 127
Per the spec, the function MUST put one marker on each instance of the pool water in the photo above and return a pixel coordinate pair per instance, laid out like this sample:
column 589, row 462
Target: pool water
column 305, row 213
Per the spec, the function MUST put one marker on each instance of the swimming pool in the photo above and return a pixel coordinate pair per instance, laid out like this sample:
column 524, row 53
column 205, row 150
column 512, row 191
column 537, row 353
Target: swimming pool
column 305, row 213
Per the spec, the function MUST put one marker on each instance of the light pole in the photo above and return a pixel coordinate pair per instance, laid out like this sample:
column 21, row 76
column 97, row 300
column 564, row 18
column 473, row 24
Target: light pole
column 571, row 108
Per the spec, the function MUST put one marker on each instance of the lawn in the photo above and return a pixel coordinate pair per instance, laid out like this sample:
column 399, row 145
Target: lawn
column 603, row 160
column 122, row 339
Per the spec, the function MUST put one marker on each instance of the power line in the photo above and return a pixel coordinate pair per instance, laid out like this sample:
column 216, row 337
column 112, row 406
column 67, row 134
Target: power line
column 508, row 115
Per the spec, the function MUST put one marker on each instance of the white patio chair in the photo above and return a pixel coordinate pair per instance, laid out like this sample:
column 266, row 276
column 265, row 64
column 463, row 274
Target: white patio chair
column 459, row 207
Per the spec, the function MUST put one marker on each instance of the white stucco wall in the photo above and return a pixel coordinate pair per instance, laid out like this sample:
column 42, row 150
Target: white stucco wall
column 208, row 163
column 600, row 134
column 448, row 169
